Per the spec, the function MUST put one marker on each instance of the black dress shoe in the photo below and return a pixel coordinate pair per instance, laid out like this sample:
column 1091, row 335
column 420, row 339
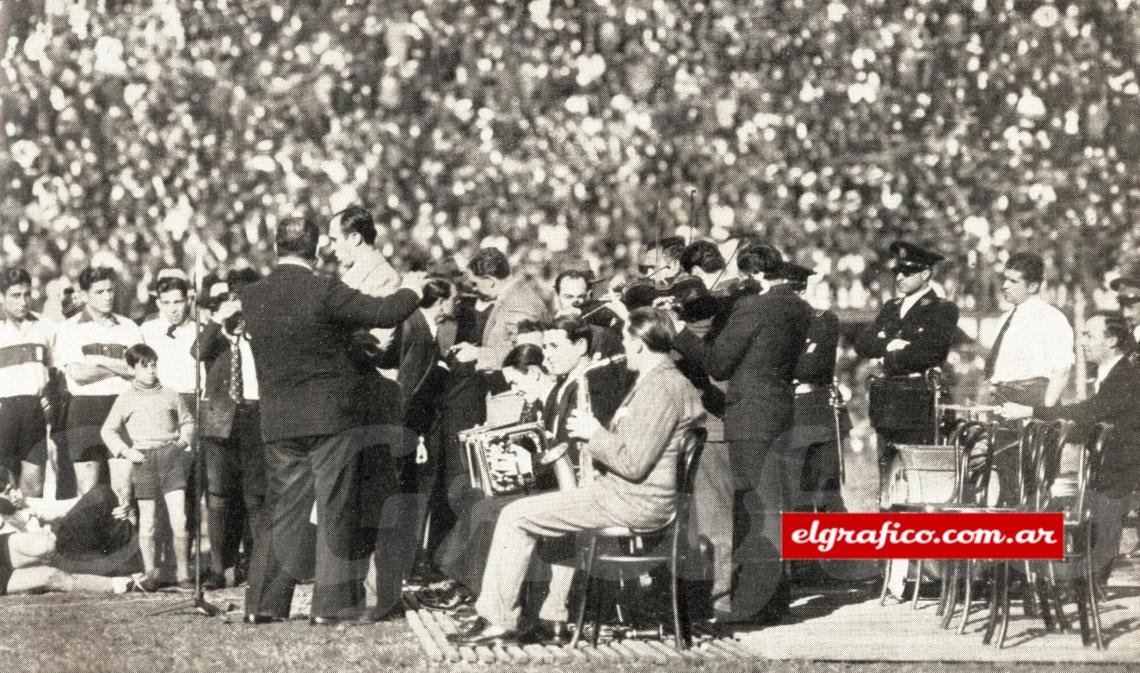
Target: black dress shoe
column 481, row 633
column 545, row 632
column 446, row 600
column 262, row 619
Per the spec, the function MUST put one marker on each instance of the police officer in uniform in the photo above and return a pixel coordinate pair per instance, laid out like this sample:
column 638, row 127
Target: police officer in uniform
column 912, row 333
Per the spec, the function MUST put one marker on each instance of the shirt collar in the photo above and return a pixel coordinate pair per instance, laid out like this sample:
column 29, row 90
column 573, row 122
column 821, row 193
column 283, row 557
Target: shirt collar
column 295, row 261
column 30, row 318
column 85, row 316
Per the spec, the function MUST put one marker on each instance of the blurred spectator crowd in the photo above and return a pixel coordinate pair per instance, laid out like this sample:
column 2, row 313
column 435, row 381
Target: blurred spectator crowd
column 143, row 135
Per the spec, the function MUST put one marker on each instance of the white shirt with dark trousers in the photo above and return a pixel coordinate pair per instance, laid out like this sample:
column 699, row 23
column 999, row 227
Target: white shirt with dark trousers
column 25, row 354
column 1037, row 343
column 81, row 336
column 80, row 339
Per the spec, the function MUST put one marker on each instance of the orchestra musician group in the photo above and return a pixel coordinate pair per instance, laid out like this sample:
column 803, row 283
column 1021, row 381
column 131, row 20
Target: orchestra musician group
column 339, row 416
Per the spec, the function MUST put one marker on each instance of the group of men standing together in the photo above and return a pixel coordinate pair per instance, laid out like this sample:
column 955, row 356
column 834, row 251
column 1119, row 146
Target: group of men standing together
column 339, row 403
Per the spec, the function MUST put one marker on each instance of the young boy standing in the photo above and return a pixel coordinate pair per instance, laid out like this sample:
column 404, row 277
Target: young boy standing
column 151, row 426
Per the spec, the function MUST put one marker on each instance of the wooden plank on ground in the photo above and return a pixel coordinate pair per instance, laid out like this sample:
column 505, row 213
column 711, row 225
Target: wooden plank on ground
column 626, row 651
column 664, row 649
column 514, row 653
column 577, row 653
column 538, row 653
column 559, row 653
column 646, row 653
column 688, row 654
column 612, row 656
column 707, row 650
column 722, row 647
column 587, row 650
column 485, row 654
column 439, row 636
column 432, row 649
column 469, row 655
column 735, row 647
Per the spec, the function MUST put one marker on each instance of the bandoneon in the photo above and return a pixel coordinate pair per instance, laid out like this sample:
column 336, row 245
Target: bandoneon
column 500, row 460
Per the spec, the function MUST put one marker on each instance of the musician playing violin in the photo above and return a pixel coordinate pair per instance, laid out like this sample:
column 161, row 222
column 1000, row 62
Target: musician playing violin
column 756, row 352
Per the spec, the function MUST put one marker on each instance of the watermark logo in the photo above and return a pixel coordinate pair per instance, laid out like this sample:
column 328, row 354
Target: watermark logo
column 884, row 535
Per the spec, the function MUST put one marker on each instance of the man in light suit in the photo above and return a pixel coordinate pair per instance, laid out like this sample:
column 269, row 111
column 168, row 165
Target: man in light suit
column 515, row 300
column 639, row 451
column 352, row 238
column 300, row 326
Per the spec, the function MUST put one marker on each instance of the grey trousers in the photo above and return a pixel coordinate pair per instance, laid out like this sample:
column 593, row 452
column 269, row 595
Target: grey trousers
column 516, row 534
column 713, row 489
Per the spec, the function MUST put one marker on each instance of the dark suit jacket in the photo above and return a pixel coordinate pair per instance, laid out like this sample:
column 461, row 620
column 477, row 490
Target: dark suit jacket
column 218, row 414
column 417, row 355
column 608, row 386
column 301, row 326
column 1117, row 402
column 815, row 416
column 816, row 363
column 930, row 326
column 756, row 353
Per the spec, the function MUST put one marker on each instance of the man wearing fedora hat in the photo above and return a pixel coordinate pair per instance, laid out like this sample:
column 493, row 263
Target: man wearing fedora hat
column 912, row 333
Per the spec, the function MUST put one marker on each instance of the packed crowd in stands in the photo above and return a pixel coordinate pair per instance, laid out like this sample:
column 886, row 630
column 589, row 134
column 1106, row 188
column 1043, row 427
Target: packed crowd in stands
column 140, row 134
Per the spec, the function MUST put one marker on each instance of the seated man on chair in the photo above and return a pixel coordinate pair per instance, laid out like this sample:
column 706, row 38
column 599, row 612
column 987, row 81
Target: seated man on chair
column 637, row 458
column 1108, row 343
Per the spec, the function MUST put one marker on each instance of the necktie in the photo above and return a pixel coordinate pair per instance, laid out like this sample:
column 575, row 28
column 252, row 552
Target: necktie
column 236, row 387
column 991, row 359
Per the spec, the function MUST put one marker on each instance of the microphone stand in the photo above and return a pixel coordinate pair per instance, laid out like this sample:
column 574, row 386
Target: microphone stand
column 198, row 602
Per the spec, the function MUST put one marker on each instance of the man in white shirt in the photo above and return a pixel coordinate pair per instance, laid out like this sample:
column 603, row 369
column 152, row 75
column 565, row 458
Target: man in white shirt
column 26, row 341
column 171, row 335
column 1032, row 355
column 89, row 351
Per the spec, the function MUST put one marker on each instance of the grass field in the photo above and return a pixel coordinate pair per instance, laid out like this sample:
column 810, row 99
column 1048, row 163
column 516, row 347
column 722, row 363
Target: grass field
column 60, row 633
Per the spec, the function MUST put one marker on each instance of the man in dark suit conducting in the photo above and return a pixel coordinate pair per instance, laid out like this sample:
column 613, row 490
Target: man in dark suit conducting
column 300, row 326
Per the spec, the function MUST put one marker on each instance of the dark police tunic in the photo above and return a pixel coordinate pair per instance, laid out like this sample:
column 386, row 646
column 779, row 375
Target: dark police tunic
column 899, row 410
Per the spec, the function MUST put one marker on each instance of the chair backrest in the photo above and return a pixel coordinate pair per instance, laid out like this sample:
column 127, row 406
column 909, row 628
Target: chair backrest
column 954, row 431
column 974, row 446
column 691, row 448
column 1039, row 456
column 1049, row 460
column 1092, row 453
